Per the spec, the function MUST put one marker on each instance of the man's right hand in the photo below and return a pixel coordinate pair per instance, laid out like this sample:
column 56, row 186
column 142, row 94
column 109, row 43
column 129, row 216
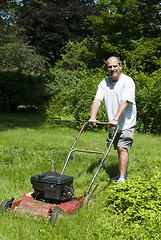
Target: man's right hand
column 92, row 122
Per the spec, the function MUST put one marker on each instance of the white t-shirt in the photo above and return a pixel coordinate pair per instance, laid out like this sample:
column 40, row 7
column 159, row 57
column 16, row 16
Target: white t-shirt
column 114, row 93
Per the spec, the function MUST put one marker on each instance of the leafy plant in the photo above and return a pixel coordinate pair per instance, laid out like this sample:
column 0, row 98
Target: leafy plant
column 137, row 200
column 74, row 101
column 131, row 210
column 148, row 98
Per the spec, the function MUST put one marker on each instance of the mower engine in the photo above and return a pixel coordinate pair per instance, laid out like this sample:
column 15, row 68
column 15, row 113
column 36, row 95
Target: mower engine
column 53, row 186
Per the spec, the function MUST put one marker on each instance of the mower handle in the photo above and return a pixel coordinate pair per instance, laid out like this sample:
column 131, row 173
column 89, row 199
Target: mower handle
column 104, row 157
column 87, row 151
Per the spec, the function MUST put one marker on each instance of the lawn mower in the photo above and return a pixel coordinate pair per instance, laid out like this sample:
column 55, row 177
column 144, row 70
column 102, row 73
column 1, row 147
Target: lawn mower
column 53, row 193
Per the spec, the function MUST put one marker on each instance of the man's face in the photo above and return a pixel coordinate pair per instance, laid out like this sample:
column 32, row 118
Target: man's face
column 114, row 68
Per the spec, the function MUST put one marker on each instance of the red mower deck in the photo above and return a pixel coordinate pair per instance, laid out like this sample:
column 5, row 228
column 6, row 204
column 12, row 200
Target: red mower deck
column 28, row 205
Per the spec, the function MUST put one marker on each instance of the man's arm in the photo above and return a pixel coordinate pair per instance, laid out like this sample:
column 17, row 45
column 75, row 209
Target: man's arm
column 119, row 113
column 94, row 110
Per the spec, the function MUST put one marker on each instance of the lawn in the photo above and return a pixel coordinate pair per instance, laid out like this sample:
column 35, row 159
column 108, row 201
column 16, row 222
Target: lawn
column 26, row 145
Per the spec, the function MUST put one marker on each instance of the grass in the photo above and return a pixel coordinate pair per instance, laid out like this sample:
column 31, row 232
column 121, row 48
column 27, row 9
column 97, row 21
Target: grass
column 26, row 145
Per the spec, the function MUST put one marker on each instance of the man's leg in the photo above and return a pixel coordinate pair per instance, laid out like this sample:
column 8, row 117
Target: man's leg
column 123, row 158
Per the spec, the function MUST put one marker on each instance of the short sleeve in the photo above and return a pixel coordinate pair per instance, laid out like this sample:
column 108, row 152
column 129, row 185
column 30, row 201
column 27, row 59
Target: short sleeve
column 128, row 92
column 100, row 92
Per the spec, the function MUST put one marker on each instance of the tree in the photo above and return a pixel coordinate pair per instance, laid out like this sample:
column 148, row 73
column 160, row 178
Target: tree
column 21, row 79
column 21, row 67
column 120, row 19
column 51, row 25
column 21, row 89
column 17, row 54
column 121, row 24
column 7, row 11
column 145, row 54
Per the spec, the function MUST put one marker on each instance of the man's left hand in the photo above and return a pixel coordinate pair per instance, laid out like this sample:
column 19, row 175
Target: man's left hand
column 112, row 123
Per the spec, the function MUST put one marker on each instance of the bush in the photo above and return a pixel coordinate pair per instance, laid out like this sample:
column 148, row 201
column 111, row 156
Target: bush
column 19, row 89
column 138, row 199
column 131, row 210
column 74, row 102
column 148, row 98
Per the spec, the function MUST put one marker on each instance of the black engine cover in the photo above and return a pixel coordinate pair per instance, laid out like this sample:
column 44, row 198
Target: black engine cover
column 53, row 185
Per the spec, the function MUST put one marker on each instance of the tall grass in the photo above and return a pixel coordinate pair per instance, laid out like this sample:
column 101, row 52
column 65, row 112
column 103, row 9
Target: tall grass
column 26, row 145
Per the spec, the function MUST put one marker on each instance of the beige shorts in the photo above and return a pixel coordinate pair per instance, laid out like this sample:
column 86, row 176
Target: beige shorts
column 124, row 138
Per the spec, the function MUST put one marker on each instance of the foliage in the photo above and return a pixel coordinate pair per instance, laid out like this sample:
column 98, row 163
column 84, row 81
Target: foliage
column 144, row 55
column 51, row 25
column 75, row 61
column 134, row 210
column 5, row 4
column 22, row 78
column 137, row 199
column 68, row 71
column 77, row 55
column 74, row 102
column 123, row 24
column 7, row 10
column 17, row 54
column 148, row 97
column 22, row 89
column 73, row 84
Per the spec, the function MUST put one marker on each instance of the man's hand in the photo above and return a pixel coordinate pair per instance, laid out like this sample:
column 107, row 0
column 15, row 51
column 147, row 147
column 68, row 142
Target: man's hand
column 92, row 122
column 95, row 106
column 112, row 123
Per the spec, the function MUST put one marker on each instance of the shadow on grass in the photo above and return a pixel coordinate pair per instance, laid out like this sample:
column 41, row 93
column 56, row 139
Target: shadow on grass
column 10, row 121
column 111, row 170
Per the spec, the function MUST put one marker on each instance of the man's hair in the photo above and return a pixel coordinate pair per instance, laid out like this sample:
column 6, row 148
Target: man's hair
column 118, row 59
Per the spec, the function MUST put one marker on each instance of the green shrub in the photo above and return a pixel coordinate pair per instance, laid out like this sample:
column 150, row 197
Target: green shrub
column 137, row 199
column 148, row 98
column 75, row 102
column 131, row 210
column 33, row 97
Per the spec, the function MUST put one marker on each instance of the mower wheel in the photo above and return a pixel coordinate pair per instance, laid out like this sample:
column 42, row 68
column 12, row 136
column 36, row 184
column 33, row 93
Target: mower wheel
column 89, row 200
column 56, row 213
column 6, row 204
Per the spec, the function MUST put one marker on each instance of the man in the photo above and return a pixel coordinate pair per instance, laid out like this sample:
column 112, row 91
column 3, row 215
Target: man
column 118, row 92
